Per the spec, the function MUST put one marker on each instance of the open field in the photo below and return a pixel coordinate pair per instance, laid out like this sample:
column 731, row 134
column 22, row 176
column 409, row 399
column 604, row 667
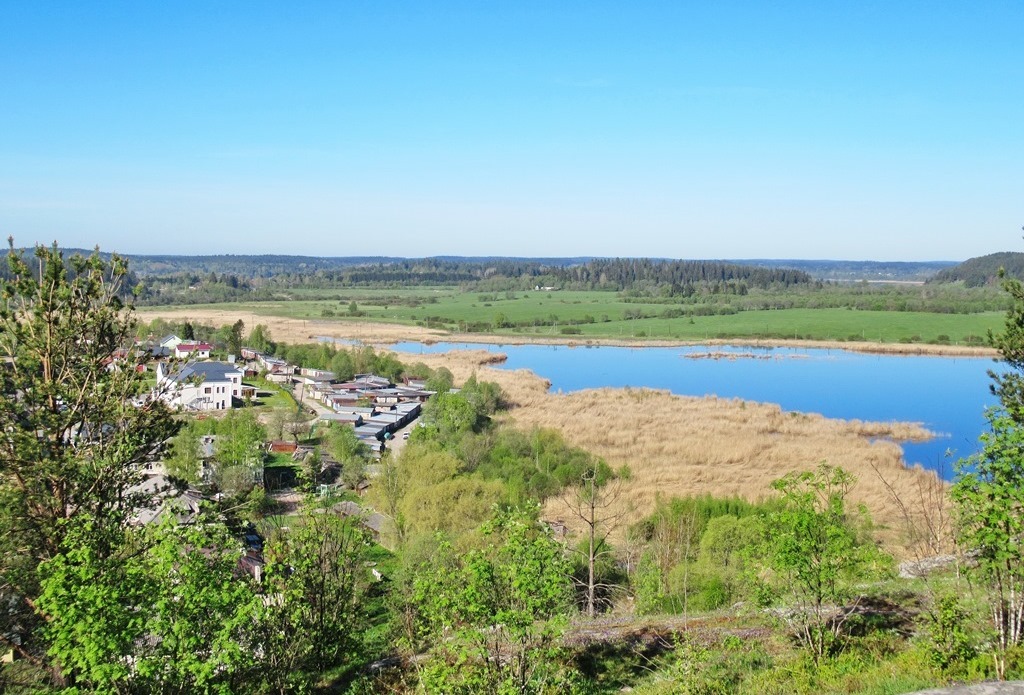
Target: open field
column 607, row 316
column 298, row 330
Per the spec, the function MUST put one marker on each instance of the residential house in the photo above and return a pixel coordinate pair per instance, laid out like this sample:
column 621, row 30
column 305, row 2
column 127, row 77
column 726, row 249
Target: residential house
column 200, row 385
column 316, row 374
column 170, row 341
column 250, row 354
column 193, row 351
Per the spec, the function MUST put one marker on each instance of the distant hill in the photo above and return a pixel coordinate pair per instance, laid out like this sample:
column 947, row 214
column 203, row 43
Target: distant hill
column 268, row 265
column 983, row 270
column 855, row 271
column 562, row 269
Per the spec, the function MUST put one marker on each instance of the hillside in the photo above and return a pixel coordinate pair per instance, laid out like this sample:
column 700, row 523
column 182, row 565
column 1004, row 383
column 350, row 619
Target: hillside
column 855, row 271
column 983, row 270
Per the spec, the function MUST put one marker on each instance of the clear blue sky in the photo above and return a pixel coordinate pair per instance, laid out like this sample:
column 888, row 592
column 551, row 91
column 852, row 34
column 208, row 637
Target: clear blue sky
column 848, row 130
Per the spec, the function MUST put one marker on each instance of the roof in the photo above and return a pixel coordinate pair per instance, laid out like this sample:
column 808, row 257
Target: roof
column 351, row 418
column 207, row 371
column 189, row 347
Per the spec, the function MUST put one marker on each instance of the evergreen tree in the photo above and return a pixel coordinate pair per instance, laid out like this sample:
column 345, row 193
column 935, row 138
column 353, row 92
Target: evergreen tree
column 77, row 424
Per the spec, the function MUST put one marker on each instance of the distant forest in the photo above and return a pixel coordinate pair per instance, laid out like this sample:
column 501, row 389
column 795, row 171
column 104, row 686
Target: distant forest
column 983, row 270
column 166, row 279
column 157, row 280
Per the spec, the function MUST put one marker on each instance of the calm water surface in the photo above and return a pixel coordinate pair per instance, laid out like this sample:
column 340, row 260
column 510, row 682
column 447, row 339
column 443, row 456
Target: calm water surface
column 947, row 395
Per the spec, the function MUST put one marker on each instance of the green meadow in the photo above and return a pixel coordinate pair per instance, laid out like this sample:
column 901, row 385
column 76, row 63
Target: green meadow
column 610, row 315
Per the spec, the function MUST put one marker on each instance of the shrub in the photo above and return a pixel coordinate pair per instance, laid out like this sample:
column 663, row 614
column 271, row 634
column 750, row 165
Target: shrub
column 948, row 643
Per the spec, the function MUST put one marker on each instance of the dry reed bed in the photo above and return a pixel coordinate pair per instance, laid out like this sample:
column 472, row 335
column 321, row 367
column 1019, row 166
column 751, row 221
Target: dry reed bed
column 297, row 330
column 677, row 445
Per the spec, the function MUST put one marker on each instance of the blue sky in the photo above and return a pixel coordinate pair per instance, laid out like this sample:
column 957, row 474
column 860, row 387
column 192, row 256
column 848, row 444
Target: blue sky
column 858, row 130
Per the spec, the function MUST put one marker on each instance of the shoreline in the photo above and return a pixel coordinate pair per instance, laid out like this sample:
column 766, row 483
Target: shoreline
column 869, row 347
column 386, row 334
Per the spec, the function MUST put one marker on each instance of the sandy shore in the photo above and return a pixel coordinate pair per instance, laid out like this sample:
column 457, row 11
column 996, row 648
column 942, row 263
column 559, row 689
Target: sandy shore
column 298, row 331
column 674, row 445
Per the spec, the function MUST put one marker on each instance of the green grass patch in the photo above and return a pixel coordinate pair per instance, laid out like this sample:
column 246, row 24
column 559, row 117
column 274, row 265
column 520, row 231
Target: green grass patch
column 607, row 315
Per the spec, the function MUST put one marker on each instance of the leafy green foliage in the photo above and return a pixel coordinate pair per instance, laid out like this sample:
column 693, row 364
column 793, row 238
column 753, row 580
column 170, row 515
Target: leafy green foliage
column 534, row 465
column 989, row 495
column 949, row 642
column 494, row 612
column 447, row 416
column 75, row 442
column 679, row 570
column 1008, row 385
column 237, row 451
column 313, row 616
column 349, row 451
column 259, row 339
column 162, row 614
column 815, row 549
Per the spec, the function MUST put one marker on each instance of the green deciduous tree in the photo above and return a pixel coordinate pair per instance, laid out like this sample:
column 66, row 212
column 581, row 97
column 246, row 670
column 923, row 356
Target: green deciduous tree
column 441, row 380
column 162, row 613
column 1008, row 385
column 184, row 460
column 259, row 339
column 989, row 496
column 496, row 613
column 989, row 489
column 313, row 616
column 76, row 421
column 815, row 549
column 448, row 415
column 351, row 453
column 238, row 451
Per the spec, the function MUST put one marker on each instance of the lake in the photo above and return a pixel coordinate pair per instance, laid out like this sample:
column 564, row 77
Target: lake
column 948, row 395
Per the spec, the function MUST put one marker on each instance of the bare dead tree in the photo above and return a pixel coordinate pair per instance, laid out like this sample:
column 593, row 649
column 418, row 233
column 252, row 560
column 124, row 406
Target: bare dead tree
column 926, row 512
column 598, row 504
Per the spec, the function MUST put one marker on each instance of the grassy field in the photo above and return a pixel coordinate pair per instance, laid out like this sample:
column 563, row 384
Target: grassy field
column 608, row 315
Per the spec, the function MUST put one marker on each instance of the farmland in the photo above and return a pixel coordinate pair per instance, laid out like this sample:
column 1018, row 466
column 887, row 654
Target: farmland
column 611, row 316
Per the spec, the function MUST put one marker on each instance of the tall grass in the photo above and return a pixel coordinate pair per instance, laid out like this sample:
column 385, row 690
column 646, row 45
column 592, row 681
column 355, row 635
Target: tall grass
column 686, row 446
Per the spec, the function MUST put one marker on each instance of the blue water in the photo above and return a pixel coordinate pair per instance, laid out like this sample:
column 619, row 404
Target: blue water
column 948, row 395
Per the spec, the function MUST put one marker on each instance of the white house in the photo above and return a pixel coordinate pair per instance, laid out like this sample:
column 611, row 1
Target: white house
column 200, row 385
column 170, row 341
column 194, row 351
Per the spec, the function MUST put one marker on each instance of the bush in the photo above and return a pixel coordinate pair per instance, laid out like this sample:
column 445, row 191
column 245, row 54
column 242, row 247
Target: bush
column 949, row 645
